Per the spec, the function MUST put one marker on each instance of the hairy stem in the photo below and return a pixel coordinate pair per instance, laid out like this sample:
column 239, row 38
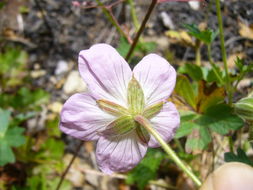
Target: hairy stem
column 148, row 126
column 69, row 165
column 143, row 24
column 223, row 51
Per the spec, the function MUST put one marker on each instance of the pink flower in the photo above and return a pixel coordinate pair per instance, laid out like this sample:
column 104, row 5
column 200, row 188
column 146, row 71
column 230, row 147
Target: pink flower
column 116, row 95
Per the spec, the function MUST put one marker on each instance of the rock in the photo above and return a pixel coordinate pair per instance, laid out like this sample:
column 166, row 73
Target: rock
column 37, row 73
column 74, row 83
column 194, row 5
column 55, row 107
column 167, row 21
column 62, row 67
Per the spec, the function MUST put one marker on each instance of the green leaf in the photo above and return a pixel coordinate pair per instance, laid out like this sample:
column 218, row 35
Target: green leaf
column 212, row 77
column 185, row 90
column 146, row 170
column 193, row 70
column 240, row 157
column 201, row 141
column 14, row 136
column 6, row 153
column 123, row 47
column 207, row 36
column 4, row 121
column 185, row 129
column 220, row 119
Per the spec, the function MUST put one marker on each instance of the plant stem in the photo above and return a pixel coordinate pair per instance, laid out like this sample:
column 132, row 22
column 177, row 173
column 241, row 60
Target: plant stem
column 223, row 51
column 133, row 15
column 216, row 72
column 69, row 165
column 143, row 24
column 148, row 126
column 113, row 20
column 198, row 53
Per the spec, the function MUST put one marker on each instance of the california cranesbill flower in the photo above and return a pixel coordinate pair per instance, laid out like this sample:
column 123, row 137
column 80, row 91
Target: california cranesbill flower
column 116, row 95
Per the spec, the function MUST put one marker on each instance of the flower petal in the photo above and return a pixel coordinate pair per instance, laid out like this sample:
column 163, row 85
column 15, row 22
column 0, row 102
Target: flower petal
column 82, row 118
column 106, row 73
column 120, row 153
column 165, row 123
column 157, row 78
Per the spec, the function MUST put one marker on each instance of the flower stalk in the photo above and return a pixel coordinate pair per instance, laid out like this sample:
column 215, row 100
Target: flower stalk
column 148, row 126
column 69, row 166
column 143, row 24
column 223, row 51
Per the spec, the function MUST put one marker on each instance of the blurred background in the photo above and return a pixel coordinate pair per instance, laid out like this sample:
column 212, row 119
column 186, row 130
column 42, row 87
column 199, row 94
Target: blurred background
column 39, row 44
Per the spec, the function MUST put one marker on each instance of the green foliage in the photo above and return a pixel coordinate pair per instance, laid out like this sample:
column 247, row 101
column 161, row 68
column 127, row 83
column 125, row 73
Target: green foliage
column 241, row 156
column 146, row 170
column 9, row 137
column 206, row 36
column 142, row 47
column 2, row 4
column 193, row 70
column 12, row 67
column 243, row 69
column 25, row 99
column 219, row 118
column 185, row 89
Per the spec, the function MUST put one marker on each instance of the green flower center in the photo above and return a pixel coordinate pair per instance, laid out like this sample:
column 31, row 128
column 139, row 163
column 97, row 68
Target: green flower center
column 125, row 116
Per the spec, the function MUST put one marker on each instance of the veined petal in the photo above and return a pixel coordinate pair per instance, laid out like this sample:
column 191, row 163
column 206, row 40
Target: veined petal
column 82, row 118
column 165, row 123
column 119, row 153
column 106, row 73
column 156, row 77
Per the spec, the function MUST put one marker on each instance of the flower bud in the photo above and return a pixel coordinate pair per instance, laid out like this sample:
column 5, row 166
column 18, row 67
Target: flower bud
column 244, row 108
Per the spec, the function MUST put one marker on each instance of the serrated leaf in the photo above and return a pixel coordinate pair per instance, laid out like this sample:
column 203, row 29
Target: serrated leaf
column 207, row 36
column 193, row 70
column 146, row 170
column 240, row 157
column 220, row 119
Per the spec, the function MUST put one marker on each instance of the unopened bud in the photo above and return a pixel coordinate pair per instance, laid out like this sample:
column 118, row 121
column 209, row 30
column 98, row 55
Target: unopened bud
column 244, row 108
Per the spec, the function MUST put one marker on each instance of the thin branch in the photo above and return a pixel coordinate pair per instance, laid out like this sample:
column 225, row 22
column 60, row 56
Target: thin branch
column 69, row 165
column 143, row 24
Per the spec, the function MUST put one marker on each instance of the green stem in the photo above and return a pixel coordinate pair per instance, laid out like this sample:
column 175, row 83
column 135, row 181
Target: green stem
column 133, row 15
column 231, row 144
column 216, row 72
column 148, row 126
column 198, row 53
column 113, row 20
column 223, row 51
column 143, row 24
